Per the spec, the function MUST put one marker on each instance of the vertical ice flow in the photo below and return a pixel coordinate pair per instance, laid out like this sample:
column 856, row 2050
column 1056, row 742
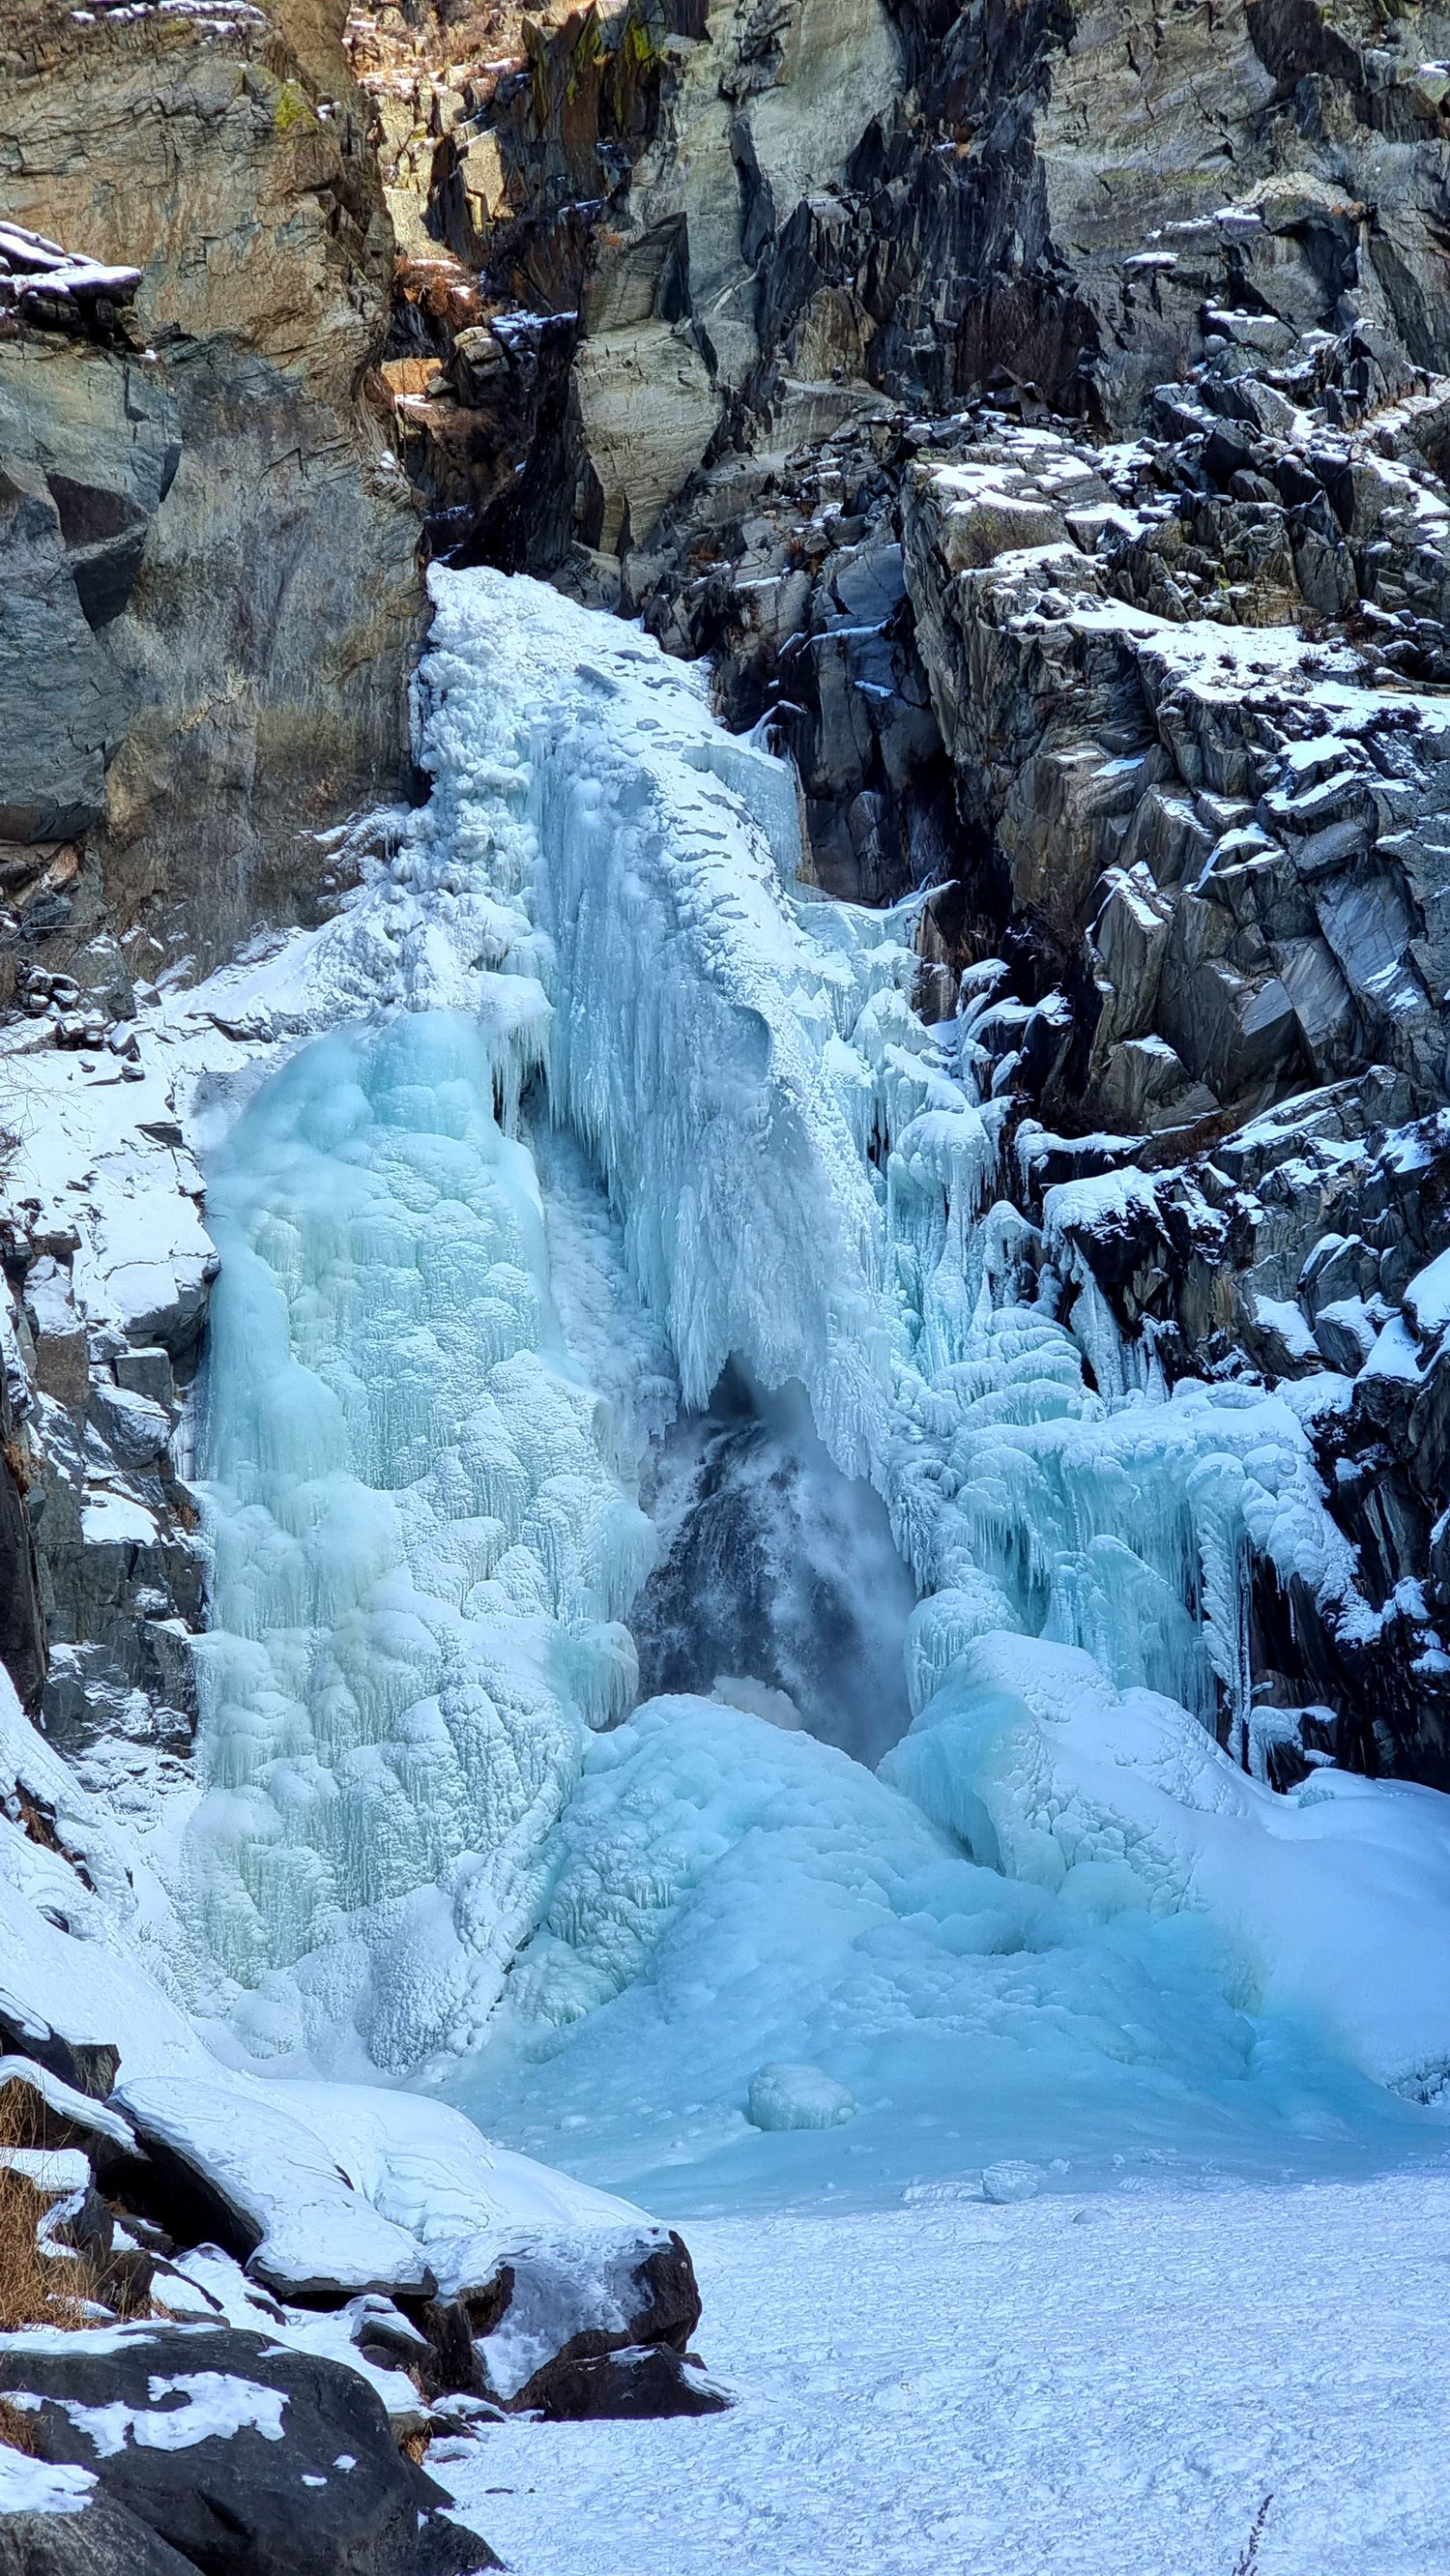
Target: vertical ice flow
column 421, row 1550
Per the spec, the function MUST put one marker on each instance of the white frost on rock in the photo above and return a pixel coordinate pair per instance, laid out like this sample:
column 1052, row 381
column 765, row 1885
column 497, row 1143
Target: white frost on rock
column 214, row 2405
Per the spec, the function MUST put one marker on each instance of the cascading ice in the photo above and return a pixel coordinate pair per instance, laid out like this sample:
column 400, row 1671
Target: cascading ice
column 420, row 1552
column 805, row 1174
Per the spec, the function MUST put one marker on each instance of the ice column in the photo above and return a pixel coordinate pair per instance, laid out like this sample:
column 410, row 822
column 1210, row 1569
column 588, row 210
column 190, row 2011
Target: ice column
column 420, row 1554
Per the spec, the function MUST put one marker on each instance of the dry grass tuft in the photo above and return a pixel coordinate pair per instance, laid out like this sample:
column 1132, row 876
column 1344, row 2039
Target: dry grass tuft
column 40, row 2289
column 1248, row 2558
column 17, row 2428
column 19, row 2126
column 36, row 2288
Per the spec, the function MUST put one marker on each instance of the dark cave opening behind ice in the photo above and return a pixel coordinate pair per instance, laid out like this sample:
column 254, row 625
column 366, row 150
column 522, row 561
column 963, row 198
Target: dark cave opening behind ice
column 779, row 1589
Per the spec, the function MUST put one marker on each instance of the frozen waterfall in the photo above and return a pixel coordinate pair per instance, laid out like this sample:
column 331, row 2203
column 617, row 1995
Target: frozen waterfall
column 618, row 1106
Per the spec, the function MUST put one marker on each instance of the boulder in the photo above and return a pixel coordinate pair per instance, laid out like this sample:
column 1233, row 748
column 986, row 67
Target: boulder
column 85, row 2066
column 55, row 2114
column 135, row 1429
column 244, row 2458
column 91, row 2537
column 639, row 2380
column 576, row 2326
column 265, row 2188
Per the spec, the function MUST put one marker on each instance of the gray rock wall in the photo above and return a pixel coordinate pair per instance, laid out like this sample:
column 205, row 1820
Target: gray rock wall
column 211, row 564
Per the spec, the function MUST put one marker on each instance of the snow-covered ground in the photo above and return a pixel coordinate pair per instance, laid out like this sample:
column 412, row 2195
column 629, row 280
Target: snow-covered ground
column 1105, row 2385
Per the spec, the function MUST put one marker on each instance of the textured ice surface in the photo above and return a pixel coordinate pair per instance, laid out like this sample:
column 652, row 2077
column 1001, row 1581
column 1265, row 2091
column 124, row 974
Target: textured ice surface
column 797, row 2097
column 727, row 1895
column 421, row 1552
column 344, row 2186
column 1094, row 2385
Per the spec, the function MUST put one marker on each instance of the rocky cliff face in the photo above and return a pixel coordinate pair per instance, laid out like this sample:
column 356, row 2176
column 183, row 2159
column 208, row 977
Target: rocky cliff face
column 211, row 556
column 760, row 216
column 1036, row 410
column 212, row 607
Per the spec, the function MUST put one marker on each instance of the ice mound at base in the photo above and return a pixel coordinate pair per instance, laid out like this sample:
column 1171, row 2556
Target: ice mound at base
column 1336, row 1895
column 729, row 1897
column 421, row 1551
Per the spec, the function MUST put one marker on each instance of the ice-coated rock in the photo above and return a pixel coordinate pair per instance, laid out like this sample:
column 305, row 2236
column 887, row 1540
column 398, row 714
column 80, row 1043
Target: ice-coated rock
column 798, row 2097
column 1011, row 2180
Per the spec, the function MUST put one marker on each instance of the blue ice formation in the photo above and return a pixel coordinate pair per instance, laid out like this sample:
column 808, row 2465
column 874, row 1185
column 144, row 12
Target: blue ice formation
column 620, row 1105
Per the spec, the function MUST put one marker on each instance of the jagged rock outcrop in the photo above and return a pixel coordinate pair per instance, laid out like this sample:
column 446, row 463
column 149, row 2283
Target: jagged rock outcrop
column 615, row 197
column 1185, row 691
column 208, row 551
column 103, row 1561
column 723, row 227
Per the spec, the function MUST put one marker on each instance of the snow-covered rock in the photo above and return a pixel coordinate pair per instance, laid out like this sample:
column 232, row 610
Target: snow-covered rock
column 312, row 2235
column 240, row 2455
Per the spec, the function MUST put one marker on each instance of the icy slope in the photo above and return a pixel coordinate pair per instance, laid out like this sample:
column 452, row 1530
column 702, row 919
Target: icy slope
column 423, row 2195
column 729, row 1897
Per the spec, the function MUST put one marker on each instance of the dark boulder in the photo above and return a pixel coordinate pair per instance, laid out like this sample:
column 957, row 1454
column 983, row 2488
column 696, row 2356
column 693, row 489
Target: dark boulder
column 101, row 2540
column 643, row 2379
column 618, row 2346
column 247, row 2459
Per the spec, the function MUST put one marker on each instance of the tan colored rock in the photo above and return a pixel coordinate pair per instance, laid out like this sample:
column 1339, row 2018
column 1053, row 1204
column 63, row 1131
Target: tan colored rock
column 650, row 411
column 251, row 663
column 633, row 182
